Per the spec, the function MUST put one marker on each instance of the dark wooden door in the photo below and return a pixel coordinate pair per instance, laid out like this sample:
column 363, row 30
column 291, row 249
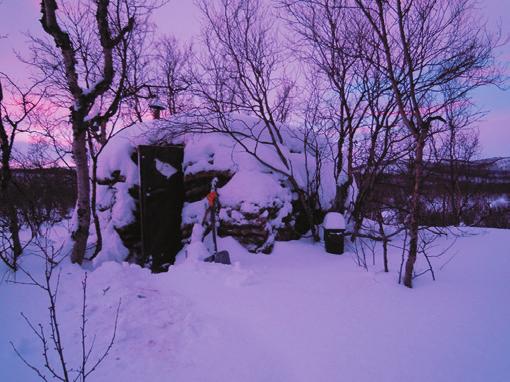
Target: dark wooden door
column 161, row 200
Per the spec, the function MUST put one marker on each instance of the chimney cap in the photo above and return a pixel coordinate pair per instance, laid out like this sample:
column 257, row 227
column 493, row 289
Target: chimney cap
column 156, row 104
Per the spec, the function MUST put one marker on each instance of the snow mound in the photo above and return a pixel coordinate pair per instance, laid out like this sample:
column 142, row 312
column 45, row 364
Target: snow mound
column 250, row 190
column 257, row 201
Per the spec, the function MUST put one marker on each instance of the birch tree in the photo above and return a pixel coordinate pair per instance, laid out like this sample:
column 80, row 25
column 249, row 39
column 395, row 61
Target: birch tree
column 428, row 45
column 91, row 51
column 17, row 105
column 244, row 71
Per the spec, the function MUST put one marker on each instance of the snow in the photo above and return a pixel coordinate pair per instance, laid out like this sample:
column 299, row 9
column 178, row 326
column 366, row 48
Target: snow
column 501, row 202
column 251, row 189
column 165, row 169
column 208, row 152
column 194, row 212
column 334, row 220
column 92, row 88
column 93, row 113
column 298, row 315
column 196, row 249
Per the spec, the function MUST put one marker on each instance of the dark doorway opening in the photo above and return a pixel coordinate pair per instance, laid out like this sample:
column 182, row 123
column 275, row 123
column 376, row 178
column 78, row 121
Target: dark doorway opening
column 161, row 201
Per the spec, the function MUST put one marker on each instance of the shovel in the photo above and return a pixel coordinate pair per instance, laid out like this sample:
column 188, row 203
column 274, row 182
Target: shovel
column 221, row 257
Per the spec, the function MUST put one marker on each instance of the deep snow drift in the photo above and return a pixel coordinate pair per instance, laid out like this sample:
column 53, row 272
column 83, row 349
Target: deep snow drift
column 296, row 315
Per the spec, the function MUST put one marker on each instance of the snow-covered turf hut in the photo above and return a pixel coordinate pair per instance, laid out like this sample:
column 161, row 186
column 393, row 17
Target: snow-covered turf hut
column 155, row 176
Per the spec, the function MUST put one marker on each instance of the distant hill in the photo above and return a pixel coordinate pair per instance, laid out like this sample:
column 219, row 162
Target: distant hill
column 43, row 194
column 479, row 191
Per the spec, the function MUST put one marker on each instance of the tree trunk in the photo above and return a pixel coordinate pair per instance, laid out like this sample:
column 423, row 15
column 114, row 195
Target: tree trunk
column 93, row 198
column 93, row 207
column 81, row 230
column 12, row 214
column 413, row 219
column 385, row 255
column 340, row 194
column 14, row 228
column 380, row 221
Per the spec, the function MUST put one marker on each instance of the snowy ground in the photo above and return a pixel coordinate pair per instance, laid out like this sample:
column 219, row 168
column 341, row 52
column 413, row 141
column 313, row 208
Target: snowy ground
column 296, row 315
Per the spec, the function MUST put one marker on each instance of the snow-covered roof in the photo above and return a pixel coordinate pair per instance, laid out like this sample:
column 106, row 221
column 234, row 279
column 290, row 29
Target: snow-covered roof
column 206, row 150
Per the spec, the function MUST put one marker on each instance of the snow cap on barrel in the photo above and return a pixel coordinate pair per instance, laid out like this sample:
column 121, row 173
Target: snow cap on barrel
column 334, row 220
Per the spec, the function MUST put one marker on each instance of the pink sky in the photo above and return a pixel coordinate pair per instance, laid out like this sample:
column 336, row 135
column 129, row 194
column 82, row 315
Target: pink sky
column 181, row 18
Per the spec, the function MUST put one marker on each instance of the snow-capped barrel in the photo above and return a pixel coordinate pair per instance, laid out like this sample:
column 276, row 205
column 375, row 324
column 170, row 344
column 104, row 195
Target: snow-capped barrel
column 334, row 229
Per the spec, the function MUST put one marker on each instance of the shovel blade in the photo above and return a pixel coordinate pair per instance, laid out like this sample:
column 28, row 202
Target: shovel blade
column 221, row 257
